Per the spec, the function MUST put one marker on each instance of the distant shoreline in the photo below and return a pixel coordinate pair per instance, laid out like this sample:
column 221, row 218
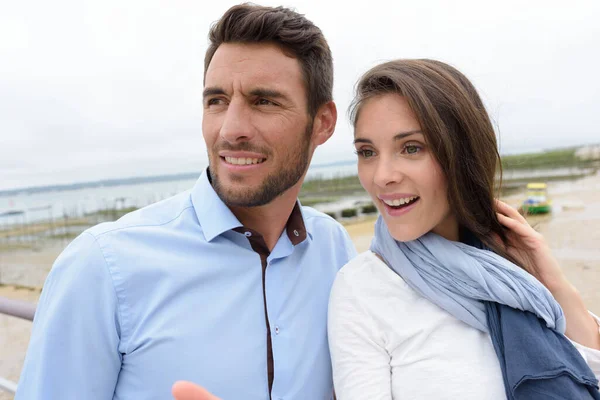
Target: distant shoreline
column 555, row 158
column 100, row 183
column 130, row 181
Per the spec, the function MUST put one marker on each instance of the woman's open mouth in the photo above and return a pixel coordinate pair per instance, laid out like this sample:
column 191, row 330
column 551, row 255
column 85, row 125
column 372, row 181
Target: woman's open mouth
column 401, row 206
column 398, row 204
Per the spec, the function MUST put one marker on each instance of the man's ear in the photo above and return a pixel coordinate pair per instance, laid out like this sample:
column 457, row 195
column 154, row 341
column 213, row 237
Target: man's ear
column 324, row 123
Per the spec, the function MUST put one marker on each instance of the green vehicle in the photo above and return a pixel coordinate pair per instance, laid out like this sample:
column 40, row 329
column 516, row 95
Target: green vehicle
column 537, row 201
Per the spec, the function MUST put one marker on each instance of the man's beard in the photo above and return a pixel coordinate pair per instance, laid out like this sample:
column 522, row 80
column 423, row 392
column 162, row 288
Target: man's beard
column 273, row 185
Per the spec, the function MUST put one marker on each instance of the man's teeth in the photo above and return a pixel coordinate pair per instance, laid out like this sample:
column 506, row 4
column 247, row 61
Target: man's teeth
column 399, row 202
column 243, row 161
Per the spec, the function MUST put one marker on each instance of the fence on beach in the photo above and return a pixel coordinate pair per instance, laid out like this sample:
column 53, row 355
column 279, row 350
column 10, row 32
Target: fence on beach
column 17, row 309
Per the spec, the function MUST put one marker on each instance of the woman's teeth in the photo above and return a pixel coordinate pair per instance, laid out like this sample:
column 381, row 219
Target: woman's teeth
column 243, row 161
column 400, row 202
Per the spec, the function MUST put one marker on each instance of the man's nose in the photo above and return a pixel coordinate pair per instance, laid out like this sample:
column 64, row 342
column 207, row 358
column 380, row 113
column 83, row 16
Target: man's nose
column 237, row 124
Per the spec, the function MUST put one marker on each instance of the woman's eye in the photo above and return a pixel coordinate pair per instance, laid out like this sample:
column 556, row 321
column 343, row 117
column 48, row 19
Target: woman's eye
column 366, row 153
column 412, row 149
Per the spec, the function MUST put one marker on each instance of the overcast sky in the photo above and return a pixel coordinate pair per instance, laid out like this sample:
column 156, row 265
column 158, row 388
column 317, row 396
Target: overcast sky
column 95, row 89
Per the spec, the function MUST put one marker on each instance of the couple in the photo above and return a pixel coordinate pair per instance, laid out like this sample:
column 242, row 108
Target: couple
column 236, row 287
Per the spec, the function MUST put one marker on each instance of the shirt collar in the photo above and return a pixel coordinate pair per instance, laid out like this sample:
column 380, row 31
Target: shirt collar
column 216, row 218
column 295, row 227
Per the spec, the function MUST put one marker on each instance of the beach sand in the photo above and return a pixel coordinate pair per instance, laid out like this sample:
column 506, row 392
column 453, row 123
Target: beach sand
column 572, row 231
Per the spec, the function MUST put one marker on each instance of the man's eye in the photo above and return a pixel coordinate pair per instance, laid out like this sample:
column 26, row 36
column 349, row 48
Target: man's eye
column 264, row 102
column 214, row 102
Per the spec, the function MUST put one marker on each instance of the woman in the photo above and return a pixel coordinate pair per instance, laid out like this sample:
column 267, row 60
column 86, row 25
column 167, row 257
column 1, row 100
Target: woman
column 438, row 308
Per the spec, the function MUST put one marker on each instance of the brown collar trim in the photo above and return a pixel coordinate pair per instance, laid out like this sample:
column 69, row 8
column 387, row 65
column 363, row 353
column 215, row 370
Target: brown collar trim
column 295, row 227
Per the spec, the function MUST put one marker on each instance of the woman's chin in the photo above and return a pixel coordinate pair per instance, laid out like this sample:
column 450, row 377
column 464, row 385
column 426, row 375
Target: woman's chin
column 406, row 236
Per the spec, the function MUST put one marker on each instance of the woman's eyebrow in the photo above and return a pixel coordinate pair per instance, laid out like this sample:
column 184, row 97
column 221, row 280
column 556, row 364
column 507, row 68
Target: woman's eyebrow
column 398, row 136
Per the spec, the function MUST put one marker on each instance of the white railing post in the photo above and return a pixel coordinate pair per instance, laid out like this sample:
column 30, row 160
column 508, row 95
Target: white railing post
column 19, row 309
column 8, row 386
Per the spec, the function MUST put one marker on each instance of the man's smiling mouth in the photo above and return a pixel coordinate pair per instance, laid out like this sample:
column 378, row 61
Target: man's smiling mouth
column 243, row 160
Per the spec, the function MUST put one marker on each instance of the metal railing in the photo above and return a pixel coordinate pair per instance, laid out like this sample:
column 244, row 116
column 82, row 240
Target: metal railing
column 19, row 309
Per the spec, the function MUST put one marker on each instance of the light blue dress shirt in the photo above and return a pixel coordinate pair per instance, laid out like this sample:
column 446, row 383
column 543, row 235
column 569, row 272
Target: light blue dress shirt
column 171, row 292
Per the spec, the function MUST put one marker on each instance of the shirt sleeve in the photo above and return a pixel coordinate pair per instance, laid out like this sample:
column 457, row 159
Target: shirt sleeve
column 349, row 245
column 361, row 365
column 591, row 356
column 73, row 350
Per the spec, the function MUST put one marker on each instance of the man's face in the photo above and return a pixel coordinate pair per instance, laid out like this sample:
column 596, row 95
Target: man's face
column 256, row 124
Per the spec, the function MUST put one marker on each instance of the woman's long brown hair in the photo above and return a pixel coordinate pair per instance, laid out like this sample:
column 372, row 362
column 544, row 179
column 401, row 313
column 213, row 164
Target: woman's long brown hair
column 457, row 129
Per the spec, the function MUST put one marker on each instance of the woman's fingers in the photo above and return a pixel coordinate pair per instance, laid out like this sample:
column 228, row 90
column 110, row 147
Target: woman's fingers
column 515, row 226
column 507, row 210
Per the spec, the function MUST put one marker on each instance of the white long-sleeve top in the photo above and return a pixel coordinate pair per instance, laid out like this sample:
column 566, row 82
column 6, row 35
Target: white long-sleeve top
column 388, row 342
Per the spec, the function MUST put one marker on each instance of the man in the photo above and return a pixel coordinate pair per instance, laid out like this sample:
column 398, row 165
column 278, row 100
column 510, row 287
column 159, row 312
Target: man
column 226, row 285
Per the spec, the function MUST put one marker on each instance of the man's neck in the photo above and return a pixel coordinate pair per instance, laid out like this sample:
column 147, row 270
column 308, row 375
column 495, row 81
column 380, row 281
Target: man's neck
column 268, row 220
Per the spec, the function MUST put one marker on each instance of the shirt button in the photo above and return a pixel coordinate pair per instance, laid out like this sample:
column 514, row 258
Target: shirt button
column 296, row 233
column 277, row 330
column 248, row 234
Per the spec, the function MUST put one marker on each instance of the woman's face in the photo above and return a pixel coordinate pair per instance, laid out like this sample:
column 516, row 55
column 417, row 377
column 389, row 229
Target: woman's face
column 399, row 171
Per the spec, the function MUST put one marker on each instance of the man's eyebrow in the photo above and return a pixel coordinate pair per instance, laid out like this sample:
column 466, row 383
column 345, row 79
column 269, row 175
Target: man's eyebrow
column 259, row 92
column 398, row 136
column 211, row 91
column 269, row 93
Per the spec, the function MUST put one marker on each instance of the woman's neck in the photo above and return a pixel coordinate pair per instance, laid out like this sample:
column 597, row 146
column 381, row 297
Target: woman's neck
column 448, row 228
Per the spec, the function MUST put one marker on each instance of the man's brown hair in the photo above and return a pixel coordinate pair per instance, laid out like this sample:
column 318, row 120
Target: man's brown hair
column 296, row 35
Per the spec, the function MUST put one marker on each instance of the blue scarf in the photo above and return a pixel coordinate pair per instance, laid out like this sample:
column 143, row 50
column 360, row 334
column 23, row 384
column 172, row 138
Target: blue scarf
column 464, row 280
column 458, row 277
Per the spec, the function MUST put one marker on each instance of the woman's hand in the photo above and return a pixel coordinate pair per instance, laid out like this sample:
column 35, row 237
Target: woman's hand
column 529, row 249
